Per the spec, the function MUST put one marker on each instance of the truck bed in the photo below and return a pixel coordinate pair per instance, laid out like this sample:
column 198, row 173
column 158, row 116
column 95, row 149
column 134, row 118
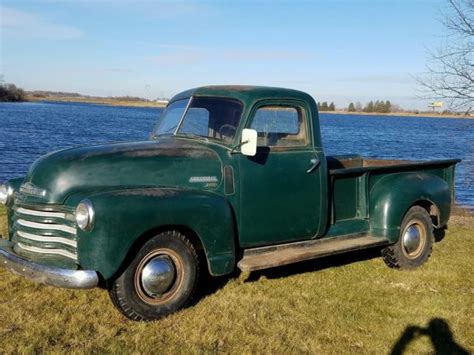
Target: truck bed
column 351, row 178
column 347, row 163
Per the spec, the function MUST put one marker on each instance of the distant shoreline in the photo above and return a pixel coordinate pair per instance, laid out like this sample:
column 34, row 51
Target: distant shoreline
column 404, row 114
column 153, row 104
column 97, row 100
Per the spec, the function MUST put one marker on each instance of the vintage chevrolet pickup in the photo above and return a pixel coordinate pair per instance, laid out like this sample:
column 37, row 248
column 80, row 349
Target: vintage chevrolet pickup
column 231, row 177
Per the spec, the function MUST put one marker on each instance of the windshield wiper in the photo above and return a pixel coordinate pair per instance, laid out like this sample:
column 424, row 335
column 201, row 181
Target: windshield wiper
column 155, row 136
column 233, row 150
column 191, row 135
column 165, row 133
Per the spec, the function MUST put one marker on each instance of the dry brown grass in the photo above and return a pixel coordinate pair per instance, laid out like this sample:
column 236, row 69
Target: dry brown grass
column 346, row 304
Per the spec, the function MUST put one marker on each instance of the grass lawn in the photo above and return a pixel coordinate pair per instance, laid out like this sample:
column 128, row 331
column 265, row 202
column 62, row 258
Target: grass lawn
column 344, row 304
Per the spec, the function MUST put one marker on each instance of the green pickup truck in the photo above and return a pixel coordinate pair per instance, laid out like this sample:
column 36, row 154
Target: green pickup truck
column 231, row 177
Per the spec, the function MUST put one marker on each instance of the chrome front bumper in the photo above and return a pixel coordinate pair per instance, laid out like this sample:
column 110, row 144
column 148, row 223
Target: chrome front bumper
column 52, row 276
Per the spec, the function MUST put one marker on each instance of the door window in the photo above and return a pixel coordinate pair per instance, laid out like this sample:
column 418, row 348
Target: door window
column 280, row 126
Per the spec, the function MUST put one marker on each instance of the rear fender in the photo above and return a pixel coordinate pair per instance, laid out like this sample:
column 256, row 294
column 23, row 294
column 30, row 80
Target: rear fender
column 124, row 218
column 392, row 196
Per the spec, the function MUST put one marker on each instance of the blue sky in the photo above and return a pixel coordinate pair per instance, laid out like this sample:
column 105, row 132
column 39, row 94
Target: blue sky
column 336, row 50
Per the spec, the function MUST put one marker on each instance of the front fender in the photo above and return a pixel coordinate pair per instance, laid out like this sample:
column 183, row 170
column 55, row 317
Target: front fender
column 393, row 195
column 124, row 216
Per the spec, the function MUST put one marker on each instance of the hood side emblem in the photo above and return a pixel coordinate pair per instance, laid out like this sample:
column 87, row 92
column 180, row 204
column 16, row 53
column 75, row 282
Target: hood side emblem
column 29, row 189
column 202, row 179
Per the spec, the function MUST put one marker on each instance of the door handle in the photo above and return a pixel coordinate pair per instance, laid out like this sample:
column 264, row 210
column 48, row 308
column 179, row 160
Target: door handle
column 314, row 164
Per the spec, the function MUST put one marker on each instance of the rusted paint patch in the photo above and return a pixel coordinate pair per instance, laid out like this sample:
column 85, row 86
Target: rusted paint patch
column 168, row 152
column 375, row 162
column 144, row 149
column 152, row 192
column 234, row 88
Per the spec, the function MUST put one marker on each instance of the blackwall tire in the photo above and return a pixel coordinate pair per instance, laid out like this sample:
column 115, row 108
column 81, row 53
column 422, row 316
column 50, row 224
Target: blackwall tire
column 414, row 245
column 160, row 280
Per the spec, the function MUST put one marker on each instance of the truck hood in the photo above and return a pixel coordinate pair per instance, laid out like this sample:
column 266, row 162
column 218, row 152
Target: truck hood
column 169, row 162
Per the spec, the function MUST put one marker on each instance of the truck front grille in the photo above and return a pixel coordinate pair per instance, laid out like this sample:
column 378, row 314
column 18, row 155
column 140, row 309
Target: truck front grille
column 44, row 230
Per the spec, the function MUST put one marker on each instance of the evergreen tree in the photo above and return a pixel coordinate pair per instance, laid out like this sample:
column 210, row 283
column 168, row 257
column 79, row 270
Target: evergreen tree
column 369, row 107
column 351, row 107
column 324, row 106
column 332, row 107
column 378, row 106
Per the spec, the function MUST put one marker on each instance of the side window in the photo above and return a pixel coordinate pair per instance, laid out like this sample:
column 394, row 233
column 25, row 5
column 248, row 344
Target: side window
column 280, row 126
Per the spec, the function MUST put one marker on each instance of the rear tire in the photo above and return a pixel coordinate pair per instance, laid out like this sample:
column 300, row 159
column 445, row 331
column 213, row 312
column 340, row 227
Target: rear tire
column 414, row 245
column 160, row 280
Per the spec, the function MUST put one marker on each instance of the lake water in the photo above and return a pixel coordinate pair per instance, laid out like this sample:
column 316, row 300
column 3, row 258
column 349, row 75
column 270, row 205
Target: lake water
column 29, row 130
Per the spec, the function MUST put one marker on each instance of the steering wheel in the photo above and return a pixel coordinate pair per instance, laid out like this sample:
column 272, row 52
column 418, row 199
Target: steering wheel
column 226, row 126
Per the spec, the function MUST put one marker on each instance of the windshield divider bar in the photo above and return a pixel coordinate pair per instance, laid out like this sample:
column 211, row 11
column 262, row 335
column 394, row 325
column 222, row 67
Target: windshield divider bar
column 184, row 115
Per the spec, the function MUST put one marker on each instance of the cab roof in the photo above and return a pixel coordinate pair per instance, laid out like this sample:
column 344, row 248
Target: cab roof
column 246, row 94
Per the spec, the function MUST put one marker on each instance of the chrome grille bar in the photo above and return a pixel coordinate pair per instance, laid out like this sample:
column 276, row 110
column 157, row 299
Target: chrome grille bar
column 58, row 227
column 44, row 230
column 50, row 239
column 47, row 251
column 27, row 211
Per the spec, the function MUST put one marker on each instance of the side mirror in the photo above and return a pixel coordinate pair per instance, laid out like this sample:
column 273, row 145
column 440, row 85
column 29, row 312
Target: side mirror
column 248, row 144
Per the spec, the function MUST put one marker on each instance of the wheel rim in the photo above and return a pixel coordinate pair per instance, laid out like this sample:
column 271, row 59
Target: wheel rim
column 159, row 276
column 413, row 239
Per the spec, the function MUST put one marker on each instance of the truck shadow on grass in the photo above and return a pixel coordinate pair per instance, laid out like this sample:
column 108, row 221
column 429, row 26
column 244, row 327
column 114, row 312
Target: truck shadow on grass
column 437, row 331
column 316, row 264
column 326, row 262
column 211, row 285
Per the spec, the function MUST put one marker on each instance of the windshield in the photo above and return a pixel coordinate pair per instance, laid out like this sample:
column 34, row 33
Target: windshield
column 170, row 118
column 209, row 117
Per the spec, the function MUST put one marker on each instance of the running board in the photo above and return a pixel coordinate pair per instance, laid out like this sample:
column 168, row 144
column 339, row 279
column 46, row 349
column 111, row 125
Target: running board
column 283, row 254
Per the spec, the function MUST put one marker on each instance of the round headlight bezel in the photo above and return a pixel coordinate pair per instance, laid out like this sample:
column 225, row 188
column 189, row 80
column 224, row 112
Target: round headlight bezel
column 84, row 215
column 6, row 194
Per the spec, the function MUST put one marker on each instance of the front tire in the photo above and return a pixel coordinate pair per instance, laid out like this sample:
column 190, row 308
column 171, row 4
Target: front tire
column 160, row 280
column 414, row 245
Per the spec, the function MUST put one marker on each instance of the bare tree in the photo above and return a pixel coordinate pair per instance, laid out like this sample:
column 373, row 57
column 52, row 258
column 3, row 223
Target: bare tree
column 450, row 72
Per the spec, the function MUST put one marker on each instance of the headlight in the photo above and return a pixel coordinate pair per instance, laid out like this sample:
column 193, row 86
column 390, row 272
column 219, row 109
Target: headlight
column 6, row 194
column 85, row 215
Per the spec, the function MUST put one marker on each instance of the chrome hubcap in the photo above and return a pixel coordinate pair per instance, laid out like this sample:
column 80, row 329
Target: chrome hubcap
column 158, row 275
column 412, row 239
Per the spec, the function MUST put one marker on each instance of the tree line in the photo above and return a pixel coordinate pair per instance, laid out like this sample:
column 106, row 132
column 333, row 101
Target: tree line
column 323, row 106
column 378, row 106
column 10, row 93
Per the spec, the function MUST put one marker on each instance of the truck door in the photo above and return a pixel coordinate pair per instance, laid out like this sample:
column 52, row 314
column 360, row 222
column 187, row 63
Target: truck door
column 281, row 191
